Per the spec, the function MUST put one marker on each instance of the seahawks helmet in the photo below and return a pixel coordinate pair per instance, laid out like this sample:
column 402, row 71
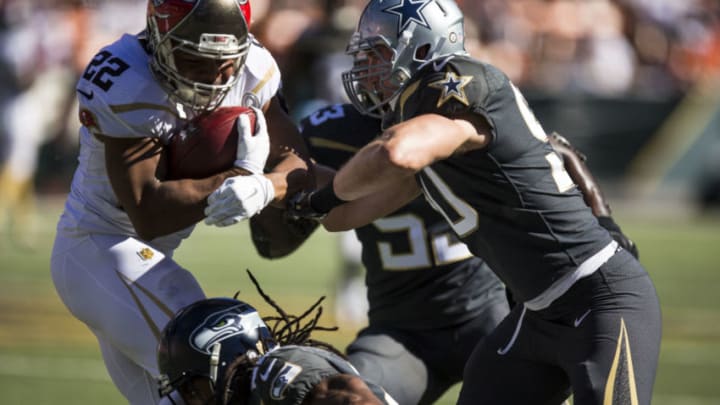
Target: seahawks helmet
column 415, row 31
column 212, row 29
column 202, row 339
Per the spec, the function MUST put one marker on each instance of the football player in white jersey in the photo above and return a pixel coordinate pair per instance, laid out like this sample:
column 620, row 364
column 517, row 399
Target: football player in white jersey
column 112, row 260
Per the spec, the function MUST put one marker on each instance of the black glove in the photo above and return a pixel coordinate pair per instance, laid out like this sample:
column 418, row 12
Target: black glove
column 617, row 234
column 299, row 207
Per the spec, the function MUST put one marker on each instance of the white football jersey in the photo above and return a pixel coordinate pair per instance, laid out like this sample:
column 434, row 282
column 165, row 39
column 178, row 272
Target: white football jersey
column 120, row 98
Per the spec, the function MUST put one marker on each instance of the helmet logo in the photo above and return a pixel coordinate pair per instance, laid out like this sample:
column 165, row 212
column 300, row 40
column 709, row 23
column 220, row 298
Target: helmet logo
column 222, row 325
column 283, row 380
column 408, row 11
column 452, row 86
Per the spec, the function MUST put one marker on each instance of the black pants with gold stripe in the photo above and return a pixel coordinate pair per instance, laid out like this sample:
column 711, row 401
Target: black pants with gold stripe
column 600, row 341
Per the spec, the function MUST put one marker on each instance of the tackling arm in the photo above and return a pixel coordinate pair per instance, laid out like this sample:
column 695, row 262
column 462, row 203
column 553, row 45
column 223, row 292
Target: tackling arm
column 400, row 152
column 574, row 162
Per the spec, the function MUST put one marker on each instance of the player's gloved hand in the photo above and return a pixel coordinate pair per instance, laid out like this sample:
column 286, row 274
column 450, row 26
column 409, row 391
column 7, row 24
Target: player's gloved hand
column 299, row 207
column 238, row 198
column 617, row 234
column 558, row 141
column 253, row 143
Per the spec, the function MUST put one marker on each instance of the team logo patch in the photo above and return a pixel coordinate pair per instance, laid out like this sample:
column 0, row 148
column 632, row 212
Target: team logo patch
column 282, row 381
column 452, row 86
column 409, row 11
column 146, row 254
column 251, row 100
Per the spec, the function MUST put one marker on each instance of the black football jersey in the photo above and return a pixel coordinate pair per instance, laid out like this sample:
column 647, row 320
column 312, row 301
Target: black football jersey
column 419, row 275
column 512, row 202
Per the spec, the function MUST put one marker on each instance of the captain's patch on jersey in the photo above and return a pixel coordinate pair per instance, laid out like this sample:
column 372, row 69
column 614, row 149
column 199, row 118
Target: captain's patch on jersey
column 452, row 86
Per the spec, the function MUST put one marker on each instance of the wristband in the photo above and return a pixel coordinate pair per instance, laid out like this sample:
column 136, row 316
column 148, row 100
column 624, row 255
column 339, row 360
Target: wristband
column 325, row 199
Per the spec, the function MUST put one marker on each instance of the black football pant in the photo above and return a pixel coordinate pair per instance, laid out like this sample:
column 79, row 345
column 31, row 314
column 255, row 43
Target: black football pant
column 601, row 339
column 418, row 366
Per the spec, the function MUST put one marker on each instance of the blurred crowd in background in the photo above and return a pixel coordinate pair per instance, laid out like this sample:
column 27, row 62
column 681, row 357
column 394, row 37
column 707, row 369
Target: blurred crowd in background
column 650, row 53
column 649, row 48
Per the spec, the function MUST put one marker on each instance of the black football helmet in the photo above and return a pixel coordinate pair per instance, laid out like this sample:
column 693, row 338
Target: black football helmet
column 203, row 338
column 209, row 29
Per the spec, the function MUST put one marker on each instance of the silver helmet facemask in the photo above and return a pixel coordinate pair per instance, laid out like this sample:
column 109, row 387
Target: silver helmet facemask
column 213, row 29
column 415, row 31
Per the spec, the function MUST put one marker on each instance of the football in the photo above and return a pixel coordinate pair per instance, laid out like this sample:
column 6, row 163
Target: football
column 207, row 145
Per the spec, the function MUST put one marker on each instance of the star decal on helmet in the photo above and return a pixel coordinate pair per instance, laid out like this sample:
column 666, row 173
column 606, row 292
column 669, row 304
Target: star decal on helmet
column 452, row 86
column 408, row 11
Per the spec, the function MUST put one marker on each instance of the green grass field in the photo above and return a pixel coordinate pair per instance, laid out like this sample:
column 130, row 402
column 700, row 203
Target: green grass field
column 48, row 357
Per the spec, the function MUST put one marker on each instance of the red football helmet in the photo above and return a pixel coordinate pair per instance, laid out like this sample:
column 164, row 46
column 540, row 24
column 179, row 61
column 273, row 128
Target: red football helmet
column 210, row 29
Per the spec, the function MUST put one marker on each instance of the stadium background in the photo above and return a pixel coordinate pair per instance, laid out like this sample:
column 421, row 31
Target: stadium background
column 632, row 83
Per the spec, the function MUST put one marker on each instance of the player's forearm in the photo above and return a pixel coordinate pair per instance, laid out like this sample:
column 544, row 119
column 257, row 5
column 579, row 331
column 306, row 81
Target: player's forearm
column 169, row 206
column 368, row 172
column 574, row 163
column 363, row 211
column 289, row 177
column 401, row 151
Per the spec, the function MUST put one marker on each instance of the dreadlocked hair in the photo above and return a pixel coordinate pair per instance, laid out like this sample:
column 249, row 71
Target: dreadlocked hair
column 286, row 329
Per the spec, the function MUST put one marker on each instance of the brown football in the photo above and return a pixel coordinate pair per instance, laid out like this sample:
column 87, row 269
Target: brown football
column 207, row 146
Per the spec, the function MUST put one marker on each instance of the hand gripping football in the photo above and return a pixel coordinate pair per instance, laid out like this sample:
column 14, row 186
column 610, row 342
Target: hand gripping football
column 207, row 146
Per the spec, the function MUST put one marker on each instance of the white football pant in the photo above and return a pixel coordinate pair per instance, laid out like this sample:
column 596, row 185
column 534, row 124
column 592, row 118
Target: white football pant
column 125, row 291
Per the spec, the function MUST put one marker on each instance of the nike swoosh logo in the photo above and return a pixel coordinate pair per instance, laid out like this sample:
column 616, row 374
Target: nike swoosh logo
column 88, row 96
column 581, row 318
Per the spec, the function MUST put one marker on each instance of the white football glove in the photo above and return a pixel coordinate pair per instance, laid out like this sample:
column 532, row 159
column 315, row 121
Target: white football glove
column 237, row 199
column 253, row 143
